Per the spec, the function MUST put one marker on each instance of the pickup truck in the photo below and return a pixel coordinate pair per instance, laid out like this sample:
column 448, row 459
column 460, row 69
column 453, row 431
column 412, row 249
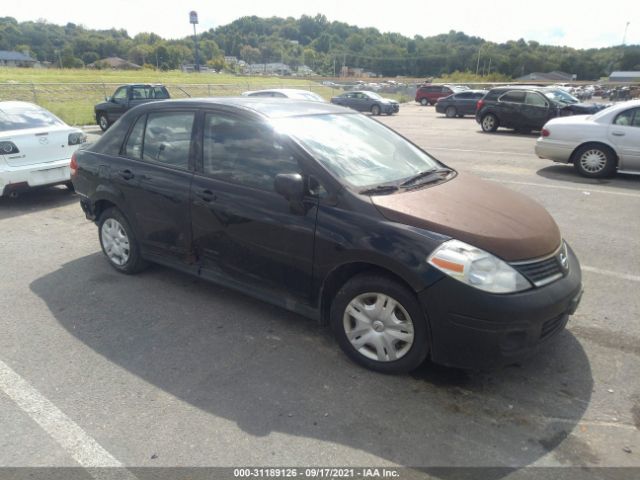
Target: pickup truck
column 125, row 98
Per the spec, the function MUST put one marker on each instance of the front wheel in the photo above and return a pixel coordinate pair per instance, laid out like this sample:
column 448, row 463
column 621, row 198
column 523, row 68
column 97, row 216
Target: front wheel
column 595, row 161
column 379, row 324
column 375, row 110
column 103, row 122
column 489, row 123
column 119, row 243
column 424, row 102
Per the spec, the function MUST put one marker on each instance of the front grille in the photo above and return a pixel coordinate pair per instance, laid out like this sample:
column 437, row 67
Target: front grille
column 542, row 272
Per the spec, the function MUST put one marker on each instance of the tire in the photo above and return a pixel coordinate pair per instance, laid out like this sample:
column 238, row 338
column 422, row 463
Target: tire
column 451, row 112
column 375, row 110
column 489, row 123
column 119, row 243
column 424, row 102
column 103, row 122
column 392, row 341
column 70, row 187
column 595, row 161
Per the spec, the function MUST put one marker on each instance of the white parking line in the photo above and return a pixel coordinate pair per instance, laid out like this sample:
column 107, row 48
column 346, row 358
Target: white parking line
column 610, row 273
column 75, row 441
column 586, row 188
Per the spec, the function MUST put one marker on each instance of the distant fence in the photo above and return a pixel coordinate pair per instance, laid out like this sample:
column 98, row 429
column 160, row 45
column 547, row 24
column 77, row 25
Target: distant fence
column 74, row 102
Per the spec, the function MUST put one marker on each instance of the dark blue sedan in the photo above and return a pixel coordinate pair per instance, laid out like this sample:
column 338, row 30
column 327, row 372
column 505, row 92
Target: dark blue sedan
column 460, row 104
column 365, row 101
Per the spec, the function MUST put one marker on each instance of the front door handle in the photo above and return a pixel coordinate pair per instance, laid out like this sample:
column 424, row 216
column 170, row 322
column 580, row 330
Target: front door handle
column 127, row 174
column 618, row 134
column 207, row 196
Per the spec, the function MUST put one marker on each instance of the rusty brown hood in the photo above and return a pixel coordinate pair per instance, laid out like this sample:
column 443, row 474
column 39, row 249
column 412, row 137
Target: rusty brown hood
column 478, row 212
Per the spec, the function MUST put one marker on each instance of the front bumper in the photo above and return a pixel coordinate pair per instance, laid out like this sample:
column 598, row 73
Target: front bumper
column 475, row 329
column 553, row 150
column 391, row 108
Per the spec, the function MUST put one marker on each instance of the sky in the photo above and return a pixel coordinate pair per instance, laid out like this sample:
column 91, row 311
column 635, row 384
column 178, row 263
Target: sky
column 558, row 22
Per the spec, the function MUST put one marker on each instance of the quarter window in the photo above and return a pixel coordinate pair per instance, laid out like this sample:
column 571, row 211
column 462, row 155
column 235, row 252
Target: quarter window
column 133, row 148
column 167, row 138
column 245, row 151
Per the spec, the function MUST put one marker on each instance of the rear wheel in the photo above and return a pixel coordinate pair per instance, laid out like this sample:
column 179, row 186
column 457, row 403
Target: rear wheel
column 424, row 102
column 595, row 161
column 379, row 324
column 489, row 123
column 451, row 112
column 375, row 110
column 119, row 243
column 103, row 122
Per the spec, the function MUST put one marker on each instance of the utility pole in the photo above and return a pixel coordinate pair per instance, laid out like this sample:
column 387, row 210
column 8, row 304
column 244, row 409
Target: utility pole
column 193, row 19
column 478, row 62
column 624, row 40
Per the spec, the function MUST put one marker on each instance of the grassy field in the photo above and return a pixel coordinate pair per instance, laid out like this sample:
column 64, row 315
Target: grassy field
column 71, row 94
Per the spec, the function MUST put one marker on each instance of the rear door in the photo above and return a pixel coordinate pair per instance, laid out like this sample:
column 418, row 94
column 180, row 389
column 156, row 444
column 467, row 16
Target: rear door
column 624, row 133
column 465, row 103
column 510, row 109
column 242, row 228
column 155, row 177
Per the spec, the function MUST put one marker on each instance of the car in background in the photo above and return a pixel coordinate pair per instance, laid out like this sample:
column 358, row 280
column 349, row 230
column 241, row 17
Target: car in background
column 35, row 147
column 333, row 215
column 293, row 93
column 125, row 98
column 597, row 145
column 526, row 108
column 365, row 101
column 460, row 104
column 430, row 94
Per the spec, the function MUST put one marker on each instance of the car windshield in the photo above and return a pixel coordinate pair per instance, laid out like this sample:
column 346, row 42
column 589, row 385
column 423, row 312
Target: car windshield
column 561, row 96
column 26, row 116
column 356, row 149
column 308, row 96
column 373, row 95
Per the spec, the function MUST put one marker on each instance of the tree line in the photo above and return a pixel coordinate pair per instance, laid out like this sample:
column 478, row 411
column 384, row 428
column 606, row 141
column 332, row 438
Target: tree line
column 316, row 42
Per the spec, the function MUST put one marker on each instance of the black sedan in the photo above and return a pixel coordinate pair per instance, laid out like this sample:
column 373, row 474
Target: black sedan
column 364, row 101
column 460, row 104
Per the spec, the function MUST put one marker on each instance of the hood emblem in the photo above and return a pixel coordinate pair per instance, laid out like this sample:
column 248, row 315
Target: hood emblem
column 564, row 260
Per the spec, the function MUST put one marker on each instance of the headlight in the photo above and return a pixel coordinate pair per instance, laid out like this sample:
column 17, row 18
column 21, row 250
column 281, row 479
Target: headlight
column 477, row 268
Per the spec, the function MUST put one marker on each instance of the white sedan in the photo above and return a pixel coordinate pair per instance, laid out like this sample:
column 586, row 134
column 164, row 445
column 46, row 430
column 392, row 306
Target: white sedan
column 35, row 147
column 294, row 93
column 598, row 144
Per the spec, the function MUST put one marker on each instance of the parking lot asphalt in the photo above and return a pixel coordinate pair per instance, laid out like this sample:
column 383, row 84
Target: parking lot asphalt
column 162, row 369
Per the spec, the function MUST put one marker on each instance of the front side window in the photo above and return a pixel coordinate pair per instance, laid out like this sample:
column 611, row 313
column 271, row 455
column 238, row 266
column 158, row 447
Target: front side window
column 628, row 118
column 167, row 138
column 245, row 151
column 121, row 94
column 359, row 151
column 535, row 100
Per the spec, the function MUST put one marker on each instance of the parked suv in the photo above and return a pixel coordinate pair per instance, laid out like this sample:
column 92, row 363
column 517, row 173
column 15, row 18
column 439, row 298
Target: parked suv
column 527, row 108
column 124, row 98
column 429, row 94
column 331, row 214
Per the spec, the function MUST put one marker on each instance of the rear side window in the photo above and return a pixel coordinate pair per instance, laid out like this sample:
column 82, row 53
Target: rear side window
column 464, row 95
column 513, row 96
column 160, row 93
column 244, row 151
column 167, row 138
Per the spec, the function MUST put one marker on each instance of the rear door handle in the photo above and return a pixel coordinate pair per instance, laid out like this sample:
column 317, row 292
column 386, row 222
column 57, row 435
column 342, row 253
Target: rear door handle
column 207, row 195
column 618, row 134
column 127, row 174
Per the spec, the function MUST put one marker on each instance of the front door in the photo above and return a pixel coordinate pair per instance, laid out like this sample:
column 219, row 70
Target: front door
column 242, row 229
column 624, row 133
column 535, row 112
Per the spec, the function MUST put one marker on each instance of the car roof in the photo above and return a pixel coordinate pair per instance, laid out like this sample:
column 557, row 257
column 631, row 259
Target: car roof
column 143, row 85
column 268, row 107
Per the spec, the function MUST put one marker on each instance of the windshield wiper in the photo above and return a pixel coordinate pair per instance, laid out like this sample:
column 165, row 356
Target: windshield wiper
column 426, row 176
column 379, row 190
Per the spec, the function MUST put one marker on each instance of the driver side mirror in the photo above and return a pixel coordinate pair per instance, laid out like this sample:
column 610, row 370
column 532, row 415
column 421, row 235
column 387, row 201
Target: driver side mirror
column 290, row 185
column 108, row 99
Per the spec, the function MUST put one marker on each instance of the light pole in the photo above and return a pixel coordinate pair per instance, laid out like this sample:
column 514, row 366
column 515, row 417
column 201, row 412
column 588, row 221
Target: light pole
column 624, row 39
column 193, row 19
